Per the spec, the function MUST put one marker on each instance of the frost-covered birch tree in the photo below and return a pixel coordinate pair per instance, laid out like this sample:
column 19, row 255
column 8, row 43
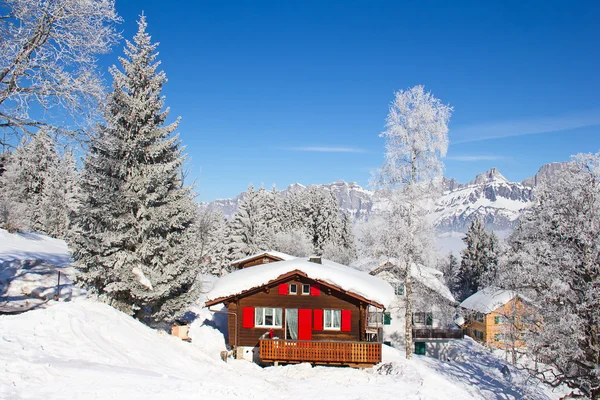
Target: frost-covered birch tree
column 416, row 138
column 554, row 261
column 48, row 52
column 133, row 241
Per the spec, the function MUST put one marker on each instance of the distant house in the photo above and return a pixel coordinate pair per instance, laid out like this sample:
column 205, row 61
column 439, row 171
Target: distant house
column 302, row 310
column 264, row 257
column 496, row 317
column 433, row 310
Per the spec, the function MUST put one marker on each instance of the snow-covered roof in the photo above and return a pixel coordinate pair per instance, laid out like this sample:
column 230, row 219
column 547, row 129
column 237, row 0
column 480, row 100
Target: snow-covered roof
column 344, row 277
column 272, row 253
column 427, row 276
column 487, row 300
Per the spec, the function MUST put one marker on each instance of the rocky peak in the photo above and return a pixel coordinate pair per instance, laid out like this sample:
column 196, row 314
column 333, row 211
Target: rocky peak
column 490, row 176
column 547, row 172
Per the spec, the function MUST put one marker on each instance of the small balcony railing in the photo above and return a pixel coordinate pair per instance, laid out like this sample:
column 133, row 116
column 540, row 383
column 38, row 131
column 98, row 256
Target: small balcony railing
column 438, row 333
column 320, row 352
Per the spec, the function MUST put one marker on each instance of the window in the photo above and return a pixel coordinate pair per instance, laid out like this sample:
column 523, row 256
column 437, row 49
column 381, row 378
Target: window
column 498, row 337
column 429, row 319
column 332, row 319
column 500, row 320
column 418, row 318
column 293, row 288
column 305, row 288
column 399, row 289
column 375, row 318
column 478, row 335
column 479, row 317
column 267, row 318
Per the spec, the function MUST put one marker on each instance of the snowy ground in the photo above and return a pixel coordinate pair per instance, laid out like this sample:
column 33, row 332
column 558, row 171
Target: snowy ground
column 87, row 350
column 29, row 266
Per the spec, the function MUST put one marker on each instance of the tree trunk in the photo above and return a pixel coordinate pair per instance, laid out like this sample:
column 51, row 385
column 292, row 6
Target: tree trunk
column 408, row 315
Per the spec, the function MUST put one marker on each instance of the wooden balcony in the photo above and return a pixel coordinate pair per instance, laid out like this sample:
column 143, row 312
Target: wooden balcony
column 425, row 334
column 315, row 352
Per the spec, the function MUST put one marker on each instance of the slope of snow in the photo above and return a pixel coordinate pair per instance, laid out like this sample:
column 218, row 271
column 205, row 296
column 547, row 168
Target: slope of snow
column 88, row 350
column 29, row 268
column 33, row 246
column 339, row 275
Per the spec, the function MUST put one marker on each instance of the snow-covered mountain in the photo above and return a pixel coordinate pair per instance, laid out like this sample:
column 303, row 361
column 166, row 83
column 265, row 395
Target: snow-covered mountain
column 490, row 196
column 352, row 198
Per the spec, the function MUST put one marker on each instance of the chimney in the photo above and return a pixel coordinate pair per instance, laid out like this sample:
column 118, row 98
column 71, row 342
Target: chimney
column 316, row 260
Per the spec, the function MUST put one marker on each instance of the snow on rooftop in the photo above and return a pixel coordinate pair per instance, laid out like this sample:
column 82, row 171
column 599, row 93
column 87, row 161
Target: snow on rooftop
column 430, row 277
column 344, row 277
column 272, row 253
column 487, row 300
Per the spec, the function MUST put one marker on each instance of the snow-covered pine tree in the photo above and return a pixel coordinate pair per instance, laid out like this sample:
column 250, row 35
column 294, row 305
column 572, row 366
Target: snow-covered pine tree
column 479, row 260
column 416, row 139
column 209, row 237
column 449, row 266
column 35, row 187
column 133, row 239
column 248, row 233
column 322, row 218
column 343, row 250
column 59, row 197
column 554, row 261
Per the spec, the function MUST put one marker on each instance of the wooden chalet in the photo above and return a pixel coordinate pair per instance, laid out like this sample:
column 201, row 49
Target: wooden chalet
column 264, row 257
column 496, row 317
column 302, row 311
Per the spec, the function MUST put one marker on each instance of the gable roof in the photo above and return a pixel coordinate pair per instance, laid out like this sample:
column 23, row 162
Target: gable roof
column 488, row 299
column 429, row 277
column 344, row 278
column 271, row 253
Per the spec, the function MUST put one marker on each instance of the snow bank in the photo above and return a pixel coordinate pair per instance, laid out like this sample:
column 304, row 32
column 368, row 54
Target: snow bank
column 33, row 246
column 88, row 350
column 487, row 300
column 346, row 278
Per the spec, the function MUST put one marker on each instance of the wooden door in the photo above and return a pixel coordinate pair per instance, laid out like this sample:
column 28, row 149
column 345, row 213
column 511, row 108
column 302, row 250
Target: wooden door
column 304, row 324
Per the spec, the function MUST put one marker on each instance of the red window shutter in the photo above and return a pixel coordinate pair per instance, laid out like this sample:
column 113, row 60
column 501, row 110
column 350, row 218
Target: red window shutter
column 315, row 289
column 283, row 288
column 318, row 322
column 346, row 320
column 304, row 324
column 248, row 317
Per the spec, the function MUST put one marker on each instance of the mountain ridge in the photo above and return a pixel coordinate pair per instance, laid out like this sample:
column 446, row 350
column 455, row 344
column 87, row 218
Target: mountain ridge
column 489, row 195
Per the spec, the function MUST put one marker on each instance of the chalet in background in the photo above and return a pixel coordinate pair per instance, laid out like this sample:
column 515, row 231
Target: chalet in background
column 303, row 310
column 433, row 311
column 264, row 257
column 496, row 317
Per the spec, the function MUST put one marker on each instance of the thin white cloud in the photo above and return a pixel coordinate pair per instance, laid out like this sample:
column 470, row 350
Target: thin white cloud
column 328, row 149
column 475, row 158
column 531, row 126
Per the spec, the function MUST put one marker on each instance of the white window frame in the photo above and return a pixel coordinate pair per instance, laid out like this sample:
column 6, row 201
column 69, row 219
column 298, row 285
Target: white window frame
column 264, row 315
column 332, row 319
column 295, row 288
column 303, row 286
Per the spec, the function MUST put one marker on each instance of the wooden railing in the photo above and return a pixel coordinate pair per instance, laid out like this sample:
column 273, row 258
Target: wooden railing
column 437, row 333
column 317, row 352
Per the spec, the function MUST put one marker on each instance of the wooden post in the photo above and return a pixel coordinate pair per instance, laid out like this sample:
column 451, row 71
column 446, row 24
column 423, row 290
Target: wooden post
column 57, row 296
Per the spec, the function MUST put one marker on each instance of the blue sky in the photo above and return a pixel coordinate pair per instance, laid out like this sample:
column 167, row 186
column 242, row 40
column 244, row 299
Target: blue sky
column 283, row 91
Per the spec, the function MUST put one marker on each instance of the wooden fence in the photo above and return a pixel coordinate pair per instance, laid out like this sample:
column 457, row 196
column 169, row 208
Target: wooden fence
column 330, row 352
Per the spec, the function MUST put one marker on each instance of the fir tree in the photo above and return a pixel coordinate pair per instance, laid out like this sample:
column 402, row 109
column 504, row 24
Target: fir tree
column 248, row 233
column 133, row 240
column 479, row 260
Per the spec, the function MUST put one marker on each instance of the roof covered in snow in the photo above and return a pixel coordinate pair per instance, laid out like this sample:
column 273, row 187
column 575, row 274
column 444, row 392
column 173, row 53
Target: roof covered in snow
column 272, row 253
column 341, row 276
column 488, row 299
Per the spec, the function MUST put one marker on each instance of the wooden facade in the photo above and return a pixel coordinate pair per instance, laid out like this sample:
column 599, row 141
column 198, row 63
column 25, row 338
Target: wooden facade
column 501, row 328
column 314, row 341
